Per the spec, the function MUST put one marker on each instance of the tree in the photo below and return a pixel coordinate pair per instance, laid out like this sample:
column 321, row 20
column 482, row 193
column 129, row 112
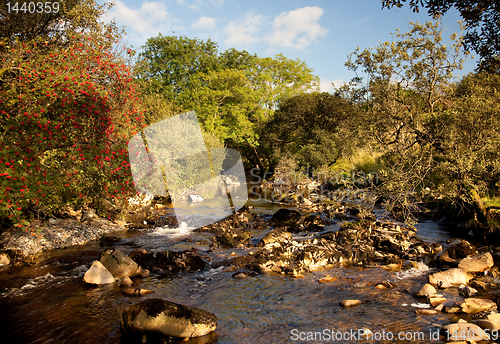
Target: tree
column 234, row 93
column 408, row 82
column 482, row 22
column 171, row 63
column 67, row 109
column 313, row 128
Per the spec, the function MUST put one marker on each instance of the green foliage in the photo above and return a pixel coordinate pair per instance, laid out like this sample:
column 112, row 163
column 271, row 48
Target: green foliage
column 315, row 128
column 234, row 93
column 482, row 23
column 432, row 133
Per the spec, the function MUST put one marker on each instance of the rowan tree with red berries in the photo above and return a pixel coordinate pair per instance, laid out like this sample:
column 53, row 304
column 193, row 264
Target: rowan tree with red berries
column 68, row 107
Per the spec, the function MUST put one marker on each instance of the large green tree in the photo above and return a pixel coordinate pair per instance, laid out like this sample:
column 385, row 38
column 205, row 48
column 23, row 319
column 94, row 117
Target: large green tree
column 315, row 129
column 234, row 93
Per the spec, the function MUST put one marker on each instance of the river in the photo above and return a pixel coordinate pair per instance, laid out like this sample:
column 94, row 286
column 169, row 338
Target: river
column 48, row 302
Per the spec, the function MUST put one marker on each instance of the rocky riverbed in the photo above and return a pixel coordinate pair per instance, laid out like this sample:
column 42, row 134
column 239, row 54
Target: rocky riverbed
column 459, row 278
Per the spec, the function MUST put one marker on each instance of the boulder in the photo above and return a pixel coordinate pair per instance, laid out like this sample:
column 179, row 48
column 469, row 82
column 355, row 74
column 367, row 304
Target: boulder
column 474, row 305
column 276, row 235
column 492, row 322
column 98, row 274
column 160, row 317
column 460, row 249
column 119, row 264
column 477, row 263
column 285, row 217
column 463, row 331
column 427, row 290
column 450, row 278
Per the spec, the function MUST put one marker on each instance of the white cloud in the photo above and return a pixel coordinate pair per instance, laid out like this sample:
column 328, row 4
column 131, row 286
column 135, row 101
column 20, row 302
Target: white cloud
column 298, row 28
column 326, row 85
column 243, row 32
column 148, row 21
column 205, row 23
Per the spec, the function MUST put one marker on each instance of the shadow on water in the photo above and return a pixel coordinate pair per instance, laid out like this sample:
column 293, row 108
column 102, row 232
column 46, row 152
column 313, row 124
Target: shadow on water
column 49, row 303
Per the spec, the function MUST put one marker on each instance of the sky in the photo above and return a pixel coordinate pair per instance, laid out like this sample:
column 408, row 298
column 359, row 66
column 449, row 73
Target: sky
column 322, row 33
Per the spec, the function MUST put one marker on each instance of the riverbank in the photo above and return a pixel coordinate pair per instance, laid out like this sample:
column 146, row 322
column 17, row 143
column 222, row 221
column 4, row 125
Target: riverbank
column 23, row 245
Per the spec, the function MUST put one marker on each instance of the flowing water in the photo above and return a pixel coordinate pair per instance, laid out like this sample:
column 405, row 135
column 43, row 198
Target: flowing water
column 49, row 303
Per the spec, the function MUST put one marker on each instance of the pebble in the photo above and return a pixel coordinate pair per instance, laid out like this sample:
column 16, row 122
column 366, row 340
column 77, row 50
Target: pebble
column 351, row 303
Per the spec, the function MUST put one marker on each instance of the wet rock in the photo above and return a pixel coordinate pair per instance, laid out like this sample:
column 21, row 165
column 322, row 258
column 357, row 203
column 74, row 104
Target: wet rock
column 188, row 260
column 423, row 311
column 450, row 278
column 427, row 290
column 239, row 275
column 351, row 303
column 436, row 300
column 98, row 274
column 476, row 264
column 475, row 305
column 4, row 259
column 466, row 291
column 327, row 279
column 460, row 249
column 276, row 235
column 119, row 264
column 136, row 292
column 463, row 331
column 385, row 285
column 125, row 282
column 285, row 217
column 231, row 240
column 492, row 322
column 443, row 257
column 168, row 319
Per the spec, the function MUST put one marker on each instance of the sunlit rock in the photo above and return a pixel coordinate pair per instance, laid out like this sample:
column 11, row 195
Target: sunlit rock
column 477, row 263
column 474, row 305
column 158, row 316
column 119, row 264
column 427, row 290
column 463, row 331
column 450, row 278
column 98, row 274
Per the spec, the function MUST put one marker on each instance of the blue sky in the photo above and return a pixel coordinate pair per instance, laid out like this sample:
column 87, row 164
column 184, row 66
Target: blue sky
column 319, row 32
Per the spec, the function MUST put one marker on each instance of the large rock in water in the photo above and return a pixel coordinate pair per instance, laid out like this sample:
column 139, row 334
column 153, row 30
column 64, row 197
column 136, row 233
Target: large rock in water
column 477, row 263
column 98, row 274
column 285, row 217
column 168, row 319
column 450, row 278
column 119, row 264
